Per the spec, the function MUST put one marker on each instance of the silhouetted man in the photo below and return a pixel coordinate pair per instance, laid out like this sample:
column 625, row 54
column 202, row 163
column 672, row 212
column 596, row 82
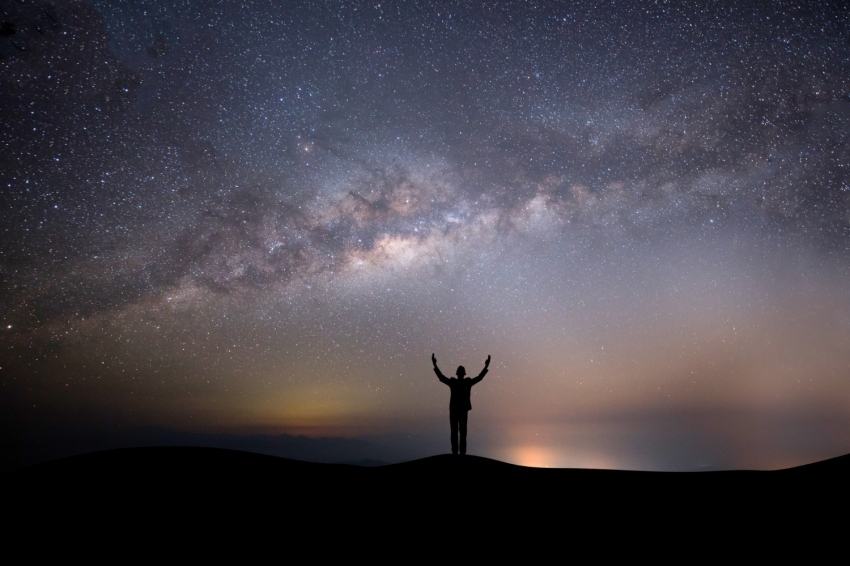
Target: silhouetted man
column 460, row 405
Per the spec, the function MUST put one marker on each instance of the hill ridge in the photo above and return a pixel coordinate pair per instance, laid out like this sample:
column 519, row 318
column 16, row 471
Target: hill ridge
column 186, row 454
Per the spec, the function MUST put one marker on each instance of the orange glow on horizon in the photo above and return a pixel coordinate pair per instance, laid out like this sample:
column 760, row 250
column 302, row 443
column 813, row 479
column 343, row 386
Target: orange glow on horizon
column 533, row 457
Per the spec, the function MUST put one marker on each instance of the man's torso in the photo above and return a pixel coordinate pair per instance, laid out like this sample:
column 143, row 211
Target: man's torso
column 461, row 390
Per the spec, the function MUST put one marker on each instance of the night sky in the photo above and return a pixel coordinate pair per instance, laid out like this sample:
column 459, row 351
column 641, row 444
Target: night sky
column 263, row 217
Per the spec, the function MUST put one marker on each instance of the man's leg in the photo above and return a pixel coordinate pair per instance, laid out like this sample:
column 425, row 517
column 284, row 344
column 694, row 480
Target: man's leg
column 453, row 419
column 462, row 426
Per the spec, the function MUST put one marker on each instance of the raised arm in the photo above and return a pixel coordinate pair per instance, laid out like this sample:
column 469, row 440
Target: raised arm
column 440, row 375
column 483, row 371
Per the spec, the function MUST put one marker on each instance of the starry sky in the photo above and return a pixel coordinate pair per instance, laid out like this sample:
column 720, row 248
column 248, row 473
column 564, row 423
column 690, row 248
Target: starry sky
column 263, row 217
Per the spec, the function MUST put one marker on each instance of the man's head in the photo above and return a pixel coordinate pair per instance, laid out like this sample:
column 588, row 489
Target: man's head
column 461, row 372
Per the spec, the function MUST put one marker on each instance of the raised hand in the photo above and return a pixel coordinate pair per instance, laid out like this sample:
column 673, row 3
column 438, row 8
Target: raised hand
column 434, row 360
column 487, row 361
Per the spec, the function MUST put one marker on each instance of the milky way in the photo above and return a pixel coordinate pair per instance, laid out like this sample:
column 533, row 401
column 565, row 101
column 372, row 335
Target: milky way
column 265, row 217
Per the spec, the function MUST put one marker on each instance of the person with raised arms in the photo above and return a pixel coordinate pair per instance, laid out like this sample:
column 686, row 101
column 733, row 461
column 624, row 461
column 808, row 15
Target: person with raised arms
column 460, row 403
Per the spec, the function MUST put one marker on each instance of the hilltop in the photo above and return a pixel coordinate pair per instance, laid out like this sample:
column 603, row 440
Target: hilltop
column 197, row 485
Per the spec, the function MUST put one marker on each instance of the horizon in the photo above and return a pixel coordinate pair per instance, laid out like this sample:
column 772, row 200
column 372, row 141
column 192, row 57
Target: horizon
column 264, row 219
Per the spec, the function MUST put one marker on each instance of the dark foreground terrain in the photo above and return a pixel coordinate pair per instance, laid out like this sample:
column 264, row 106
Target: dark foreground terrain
column 163, row 492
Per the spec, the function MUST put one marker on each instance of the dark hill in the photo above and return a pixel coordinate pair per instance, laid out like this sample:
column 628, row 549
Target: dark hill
column 188, row 470
column 187, row 487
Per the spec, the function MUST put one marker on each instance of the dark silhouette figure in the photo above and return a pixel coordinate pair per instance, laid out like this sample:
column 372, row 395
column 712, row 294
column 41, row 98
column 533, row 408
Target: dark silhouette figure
column 460, row 405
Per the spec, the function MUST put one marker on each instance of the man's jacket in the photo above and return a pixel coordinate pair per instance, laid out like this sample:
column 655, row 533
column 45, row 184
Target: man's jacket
column 461, row 389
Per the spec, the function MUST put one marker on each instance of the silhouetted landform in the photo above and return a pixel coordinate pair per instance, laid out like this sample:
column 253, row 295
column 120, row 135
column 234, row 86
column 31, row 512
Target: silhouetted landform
column 162, row 489
column 201, row 500
column 368, row 462
column 52, row 444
